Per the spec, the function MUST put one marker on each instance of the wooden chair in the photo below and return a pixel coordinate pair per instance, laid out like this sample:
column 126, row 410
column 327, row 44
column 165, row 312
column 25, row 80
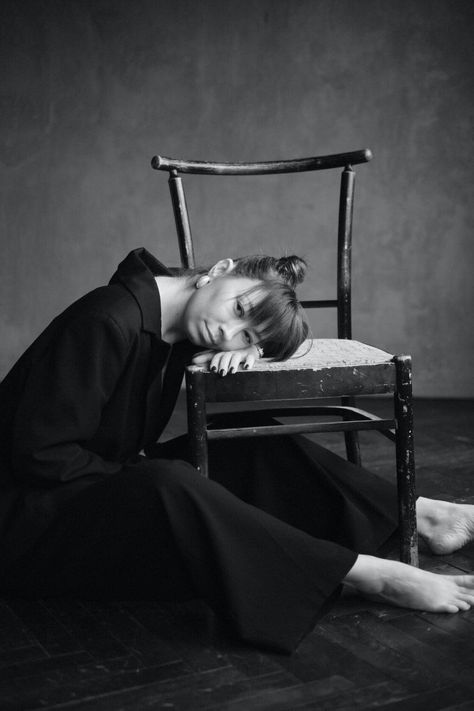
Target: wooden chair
column 329, row 368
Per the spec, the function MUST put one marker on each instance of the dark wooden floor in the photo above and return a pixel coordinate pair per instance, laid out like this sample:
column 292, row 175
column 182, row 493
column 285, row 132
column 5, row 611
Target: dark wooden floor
column 142, row 655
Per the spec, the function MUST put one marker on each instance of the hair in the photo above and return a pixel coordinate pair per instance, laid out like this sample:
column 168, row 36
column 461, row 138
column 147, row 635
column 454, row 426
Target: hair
column 275, row 313
column 291, row 270
column 277, row 317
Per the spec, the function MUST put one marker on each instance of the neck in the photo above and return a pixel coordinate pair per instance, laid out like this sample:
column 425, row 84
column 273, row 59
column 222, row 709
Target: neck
column 174, row 294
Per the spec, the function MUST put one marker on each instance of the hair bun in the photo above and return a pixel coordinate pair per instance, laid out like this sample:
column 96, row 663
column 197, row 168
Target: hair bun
column 292, row 269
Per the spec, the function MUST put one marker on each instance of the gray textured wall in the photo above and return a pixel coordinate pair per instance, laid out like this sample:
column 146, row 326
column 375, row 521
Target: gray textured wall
column 93, row 88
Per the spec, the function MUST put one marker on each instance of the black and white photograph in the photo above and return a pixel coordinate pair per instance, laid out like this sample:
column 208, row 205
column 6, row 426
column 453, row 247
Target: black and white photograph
column 236, row 387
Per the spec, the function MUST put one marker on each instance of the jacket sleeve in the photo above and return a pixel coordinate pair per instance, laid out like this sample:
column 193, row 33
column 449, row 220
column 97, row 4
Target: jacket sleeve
column 65, row 391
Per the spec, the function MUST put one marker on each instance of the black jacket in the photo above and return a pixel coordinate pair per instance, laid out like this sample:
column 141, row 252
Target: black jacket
column 95, row 388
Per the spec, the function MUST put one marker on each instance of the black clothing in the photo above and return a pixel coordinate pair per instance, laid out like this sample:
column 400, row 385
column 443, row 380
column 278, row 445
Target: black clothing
column 266, row 542
column 84, row 399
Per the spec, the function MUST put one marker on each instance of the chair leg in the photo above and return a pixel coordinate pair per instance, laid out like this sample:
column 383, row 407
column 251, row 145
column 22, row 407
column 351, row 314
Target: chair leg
column 352, row 438
column 353, row 448
column 197, row 421
column 405, row 462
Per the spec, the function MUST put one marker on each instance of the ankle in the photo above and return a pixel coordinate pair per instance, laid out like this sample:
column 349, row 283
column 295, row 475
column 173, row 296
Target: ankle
column 434, row 516
column 428, row 514
column 425, row 508
column 366, row 569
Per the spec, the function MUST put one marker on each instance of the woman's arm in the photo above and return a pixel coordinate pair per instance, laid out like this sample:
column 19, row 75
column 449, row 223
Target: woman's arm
column 60, row 408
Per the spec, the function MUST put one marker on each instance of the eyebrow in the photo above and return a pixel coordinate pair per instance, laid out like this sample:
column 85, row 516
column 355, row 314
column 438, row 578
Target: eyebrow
column 244, row 297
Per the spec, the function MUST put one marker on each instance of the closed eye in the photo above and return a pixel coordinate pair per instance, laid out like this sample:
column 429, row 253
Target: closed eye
column 248, row 338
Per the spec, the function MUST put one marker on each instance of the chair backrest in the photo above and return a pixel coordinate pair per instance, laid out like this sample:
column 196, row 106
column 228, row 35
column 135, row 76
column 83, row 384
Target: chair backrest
column 346, row 204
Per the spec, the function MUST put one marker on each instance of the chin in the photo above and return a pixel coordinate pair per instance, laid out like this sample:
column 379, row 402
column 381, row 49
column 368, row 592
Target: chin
column 197, row 342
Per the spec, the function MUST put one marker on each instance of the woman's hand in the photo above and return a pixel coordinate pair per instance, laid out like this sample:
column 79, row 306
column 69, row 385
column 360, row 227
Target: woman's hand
column 227, row 362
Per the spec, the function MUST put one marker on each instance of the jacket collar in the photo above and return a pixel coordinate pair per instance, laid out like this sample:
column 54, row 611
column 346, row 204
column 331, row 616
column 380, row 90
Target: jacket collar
column 136, row 272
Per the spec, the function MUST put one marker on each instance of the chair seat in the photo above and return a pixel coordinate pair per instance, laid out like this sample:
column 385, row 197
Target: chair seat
column 319, row 353
column 342, row 367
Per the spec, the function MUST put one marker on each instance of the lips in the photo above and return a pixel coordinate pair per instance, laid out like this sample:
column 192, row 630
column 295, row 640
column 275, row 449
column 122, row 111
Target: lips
column 210, row 337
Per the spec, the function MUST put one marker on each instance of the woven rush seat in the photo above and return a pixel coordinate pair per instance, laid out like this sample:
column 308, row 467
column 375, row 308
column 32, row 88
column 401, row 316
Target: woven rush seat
column 319, row 353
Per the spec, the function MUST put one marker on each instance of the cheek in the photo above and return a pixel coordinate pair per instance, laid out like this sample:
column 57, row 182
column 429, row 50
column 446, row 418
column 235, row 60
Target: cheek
column 236, row 344
column 188, row 321
column 196, row 304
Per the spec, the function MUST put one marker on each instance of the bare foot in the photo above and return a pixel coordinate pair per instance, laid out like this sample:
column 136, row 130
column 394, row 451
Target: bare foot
column 445, row 526
column 405, row 586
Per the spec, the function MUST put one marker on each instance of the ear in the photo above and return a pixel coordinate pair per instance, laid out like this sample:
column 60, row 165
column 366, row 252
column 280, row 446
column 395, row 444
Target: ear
column 223, row 266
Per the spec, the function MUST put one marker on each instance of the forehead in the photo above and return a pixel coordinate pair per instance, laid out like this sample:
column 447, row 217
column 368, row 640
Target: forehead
column 239, row 285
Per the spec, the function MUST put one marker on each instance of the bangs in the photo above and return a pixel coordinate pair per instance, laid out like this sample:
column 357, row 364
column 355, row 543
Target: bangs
column 277, row 317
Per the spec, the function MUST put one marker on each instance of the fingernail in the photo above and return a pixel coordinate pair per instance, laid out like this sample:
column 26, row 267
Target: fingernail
column 231, row 370
column 246, row 366
column 213, row 369
column 222, row 373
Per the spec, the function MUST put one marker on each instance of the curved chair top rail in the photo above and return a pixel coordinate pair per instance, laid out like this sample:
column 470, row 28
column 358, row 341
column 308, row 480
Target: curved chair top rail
column 297, row 165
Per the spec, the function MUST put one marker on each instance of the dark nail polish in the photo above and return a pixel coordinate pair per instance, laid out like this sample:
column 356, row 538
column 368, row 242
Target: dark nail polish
column 231, row 370
column 213, row 369
column 222, row 373
column 246, row 366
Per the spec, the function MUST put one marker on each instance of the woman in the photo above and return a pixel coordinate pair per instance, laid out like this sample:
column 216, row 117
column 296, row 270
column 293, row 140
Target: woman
column 92, row 507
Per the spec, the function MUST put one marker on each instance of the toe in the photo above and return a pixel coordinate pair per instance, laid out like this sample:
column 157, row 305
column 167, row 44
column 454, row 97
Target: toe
column 450, row 607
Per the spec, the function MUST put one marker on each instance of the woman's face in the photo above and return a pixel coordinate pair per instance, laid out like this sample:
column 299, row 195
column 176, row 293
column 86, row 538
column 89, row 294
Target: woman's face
column 216, row 315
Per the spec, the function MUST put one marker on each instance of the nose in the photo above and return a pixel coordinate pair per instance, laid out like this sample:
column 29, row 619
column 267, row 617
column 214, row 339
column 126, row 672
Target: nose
column 230, row 330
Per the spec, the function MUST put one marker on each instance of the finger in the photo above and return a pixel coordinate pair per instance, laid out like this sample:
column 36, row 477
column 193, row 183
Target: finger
column 214, row 363
column 202, row 357
column 235, row 361
column 224, row 363
column 219, row 362
column 249, row 361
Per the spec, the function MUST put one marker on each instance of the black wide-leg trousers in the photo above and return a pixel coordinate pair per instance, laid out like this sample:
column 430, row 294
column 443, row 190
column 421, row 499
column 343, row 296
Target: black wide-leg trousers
column 266, row 541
